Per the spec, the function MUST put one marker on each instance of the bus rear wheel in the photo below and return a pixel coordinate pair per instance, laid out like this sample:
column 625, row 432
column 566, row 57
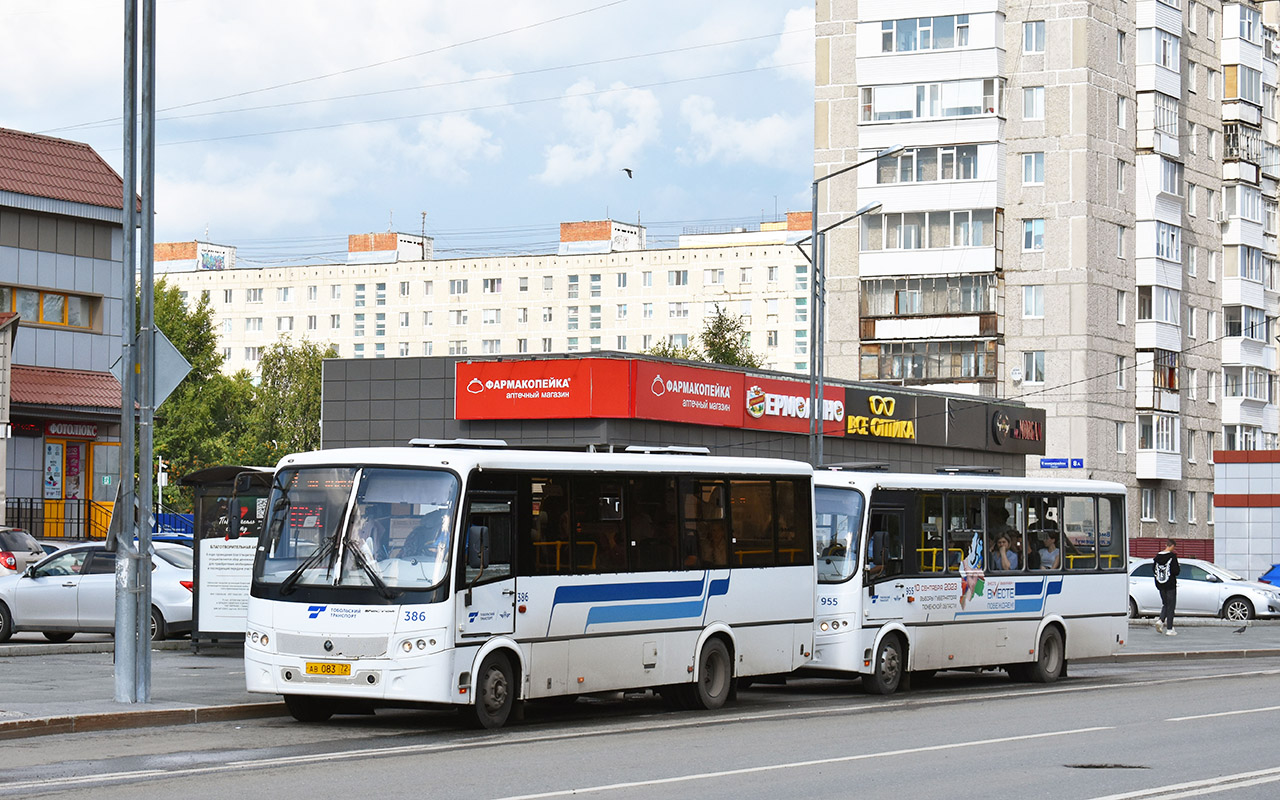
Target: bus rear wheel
column 494, row 693
column 305, row 708
column 1050, row 658
column 886, row 670
column 715, row 676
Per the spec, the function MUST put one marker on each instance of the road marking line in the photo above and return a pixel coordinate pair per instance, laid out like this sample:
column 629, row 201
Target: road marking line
column 1207, row 786
column 1224, row 714
column 798, row 764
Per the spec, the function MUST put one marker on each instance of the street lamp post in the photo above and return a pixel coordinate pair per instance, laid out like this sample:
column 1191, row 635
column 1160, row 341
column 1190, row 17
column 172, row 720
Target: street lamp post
column 818, row 302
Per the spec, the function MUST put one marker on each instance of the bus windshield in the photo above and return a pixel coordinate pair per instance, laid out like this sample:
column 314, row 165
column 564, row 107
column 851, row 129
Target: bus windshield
column 384, row 527
column 838, row 519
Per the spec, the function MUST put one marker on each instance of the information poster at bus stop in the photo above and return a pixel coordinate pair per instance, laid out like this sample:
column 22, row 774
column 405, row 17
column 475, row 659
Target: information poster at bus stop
column 226, row 567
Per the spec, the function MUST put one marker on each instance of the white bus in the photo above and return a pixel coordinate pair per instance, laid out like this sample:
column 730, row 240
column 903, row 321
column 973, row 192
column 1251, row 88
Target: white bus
column 482, row 576
column 920, row 573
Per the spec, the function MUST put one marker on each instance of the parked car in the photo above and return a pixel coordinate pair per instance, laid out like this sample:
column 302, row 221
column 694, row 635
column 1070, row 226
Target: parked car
column 1204, row 589
column 1271, row 576
column 17, row 549
column 52, row 547
column 73, row 591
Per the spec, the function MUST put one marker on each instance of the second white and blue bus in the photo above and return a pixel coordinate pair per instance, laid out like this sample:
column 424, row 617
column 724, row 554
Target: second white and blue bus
column 920, row 573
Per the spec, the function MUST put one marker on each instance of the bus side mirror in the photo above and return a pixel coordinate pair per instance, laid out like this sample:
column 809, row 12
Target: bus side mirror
column 233, row 519
column 477, row 546
column 244, row 482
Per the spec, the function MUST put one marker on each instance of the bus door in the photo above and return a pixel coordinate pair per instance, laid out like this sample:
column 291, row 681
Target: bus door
column 486, row 582
column 882, row 564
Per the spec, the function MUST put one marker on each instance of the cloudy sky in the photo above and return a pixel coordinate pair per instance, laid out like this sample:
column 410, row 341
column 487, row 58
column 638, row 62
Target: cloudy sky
column 285, row 125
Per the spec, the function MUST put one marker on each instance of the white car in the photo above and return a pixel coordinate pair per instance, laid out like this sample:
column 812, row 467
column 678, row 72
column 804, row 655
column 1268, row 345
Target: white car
column 73, row 591
column 1204, row 590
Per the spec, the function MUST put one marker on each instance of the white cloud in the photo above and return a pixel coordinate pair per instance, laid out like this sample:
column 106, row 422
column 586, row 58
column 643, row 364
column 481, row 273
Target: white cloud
column 794, row 52
column 256, row 201
column 766, row 141
column 446, row 143
column 604, row 132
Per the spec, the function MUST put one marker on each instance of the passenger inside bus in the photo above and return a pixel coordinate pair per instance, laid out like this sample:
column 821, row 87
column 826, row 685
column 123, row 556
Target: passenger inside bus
column 1050, row 556
column 429, row 539
column 1003, row 557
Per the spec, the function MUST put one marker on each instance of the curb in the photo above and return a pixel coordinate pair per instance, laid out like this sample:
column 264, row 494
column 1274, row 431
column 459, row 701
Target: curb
column 40, row 649
column 119, row 720
column 1180, row 655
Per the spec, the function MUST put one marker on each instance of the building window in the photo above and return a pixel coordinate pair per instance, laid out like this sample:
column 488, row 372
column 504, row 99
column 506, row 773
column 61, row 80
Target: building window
column 458, row 347
column 546, row 345
column 928, row 230
column 404, row 292
column 1033, row 301
column 678, row 277
column 573, row 287
column 744, row 275
column 253, row 324
column 1122, row 112
column 1033, row 366
column 428, row 348
column 646, row 278
column 357, row 327
column 942, row 100
column 284, row 323
column 404, row 319
column 1171, row 500
column 1033, row 103
column 713, row 277
column 426, row 319
column 1169, row 242
column 1193, row 256
column 49, row 308
column 802, row 343
column 226, row 296
column 571, row 344
column 491, row 316
column 1208, row 509
column 404, row 348
column 1033, row 36
column 1120, row 370
column 457, row 286
column 572, row 318
column 380, row 295
column 547, row 313
column 1122, row 436
column 522, row 316
column 927, row 164
column 524, row 284
column 1148, row 505
column 622, row 311
column 1158, row 432
column 359, row 298
column 491, row 346
column 1032, row 169
column 491, row 286
column 647, row 311
column 924, row 33
column 802, row 278
column 335, row 321
column 594, row 321
column 621, row 343
column 1033, row 235
column 1120, row 43
column 253, row 295
column 522, row 345
column 1156, row 46
column 595, row 285
column 253, row 354
column 802, row 309
column 458, row 316
column 312, row 322
column 678, row 310
column 1120, row 182
column 1120, row 249
column 548, row 283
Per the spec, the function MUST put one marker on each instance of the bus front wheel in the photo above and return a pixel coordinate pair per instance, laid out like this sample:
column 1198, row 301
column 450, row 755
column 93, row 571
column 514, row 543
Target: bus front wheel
column 1050, row 658
column 886, row 671
column 305, row 708
column 494, row 693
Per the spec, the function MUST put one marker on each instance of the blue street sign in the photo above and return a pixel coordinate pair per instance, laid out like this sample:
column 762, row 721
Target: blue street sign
column 1077, row 463
column 1053, row 463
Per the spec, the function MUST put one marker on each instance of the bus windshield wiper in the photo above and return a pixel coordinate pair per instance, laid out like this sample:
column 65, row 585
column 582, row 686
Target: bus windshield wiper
column 288, row 584
column 372, row 572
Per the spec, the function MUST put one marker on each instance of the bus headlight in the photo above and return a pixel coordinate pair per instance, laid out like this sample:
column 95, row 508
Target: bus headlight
column 256, row 638
column 823, row 627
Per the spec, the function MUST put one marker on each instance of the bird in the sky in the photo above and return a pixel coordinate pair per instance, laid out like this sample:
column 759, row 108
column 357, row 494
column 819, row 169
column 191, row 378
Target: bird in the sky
column 628, row 171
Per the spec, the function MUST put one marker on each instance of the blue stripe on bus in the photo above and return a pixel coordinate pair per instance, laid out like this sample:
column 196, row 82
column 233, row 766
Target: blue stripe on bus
column 1029, row 597
column 606, row 592
column 644, row 613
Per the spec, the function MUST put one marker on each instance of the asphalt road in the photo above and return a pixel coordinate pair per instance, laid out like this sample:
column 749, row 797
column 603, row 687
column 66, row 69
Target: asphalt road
column 1160, row 729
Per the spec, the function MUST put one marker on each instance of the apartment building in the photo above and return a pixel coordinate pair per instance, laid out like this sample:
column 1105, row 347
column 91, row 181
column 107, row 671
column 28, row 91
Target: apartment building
column 602, row 290
column 1078, row 219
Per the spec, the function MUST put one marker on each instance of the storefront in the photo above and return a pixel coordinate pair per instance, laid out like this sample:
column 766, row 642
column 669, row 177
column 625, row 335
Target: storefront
column 64, row 457
column 617, row 400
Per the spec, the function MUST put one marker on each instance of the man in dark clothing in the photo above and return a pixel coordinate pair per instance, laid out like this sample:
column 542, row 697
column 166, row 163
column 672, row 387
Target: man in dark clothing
column 1166, row 574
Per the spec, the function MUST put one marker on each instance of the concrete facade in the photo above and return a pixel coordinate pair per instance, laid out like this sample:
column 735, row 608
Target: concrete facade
column 1090, row 137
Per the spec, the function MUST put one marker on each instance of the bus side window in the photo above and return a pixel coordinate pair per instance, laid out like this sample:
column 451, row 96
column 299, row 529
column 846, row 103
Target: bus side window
column 930, row 555
column 795, row 537
column 1079, row 540
column 1111, row 533
column 651, row 522
column 753, row 535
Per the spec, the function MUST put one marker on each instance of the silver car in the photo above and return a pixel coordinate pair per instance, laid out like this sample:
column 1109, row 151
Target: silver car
column 1204, row 590
column 17, row 549
column 73, row 591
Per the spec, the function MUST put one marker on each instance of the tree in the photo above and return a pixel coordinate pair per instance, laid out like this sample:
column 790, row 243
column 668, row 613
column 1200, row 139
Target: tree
column 286, row 405
column 723, row 341
column 201, row 422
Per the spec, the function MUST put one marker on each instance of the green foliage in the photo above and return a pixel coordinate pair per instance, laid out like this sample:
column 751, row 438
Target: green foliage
column 285, row 416
column 723, row 341
column 202, row 422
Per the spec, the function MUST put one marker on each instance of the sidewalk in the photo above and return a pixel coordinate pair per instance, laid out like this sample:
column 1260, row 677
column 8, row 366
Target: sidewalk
column 66, row 688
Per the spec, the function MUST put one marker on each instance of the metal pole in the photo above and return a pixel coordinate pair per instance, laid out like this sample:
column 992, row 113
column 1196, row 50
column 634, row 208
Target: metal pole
column 147, row 339
column 814, row 428
column 820, row 317
column 125, row 574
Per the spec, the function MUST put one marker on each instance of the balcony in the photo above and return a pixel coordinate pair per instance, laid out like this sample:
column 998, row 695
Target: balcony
column 1157, row 466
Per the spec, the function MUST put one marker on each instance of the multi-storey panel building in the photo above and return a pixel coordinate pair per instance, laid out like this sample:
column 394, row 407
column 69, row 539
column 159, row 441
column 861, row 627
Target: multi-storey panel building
column 602, row 291
column 1082, row 216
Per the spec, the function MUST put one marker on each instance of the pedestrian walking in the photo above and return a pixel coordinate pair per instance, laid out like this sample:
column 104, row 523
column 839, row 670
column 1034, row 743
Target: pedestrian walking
column 1166, row 575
